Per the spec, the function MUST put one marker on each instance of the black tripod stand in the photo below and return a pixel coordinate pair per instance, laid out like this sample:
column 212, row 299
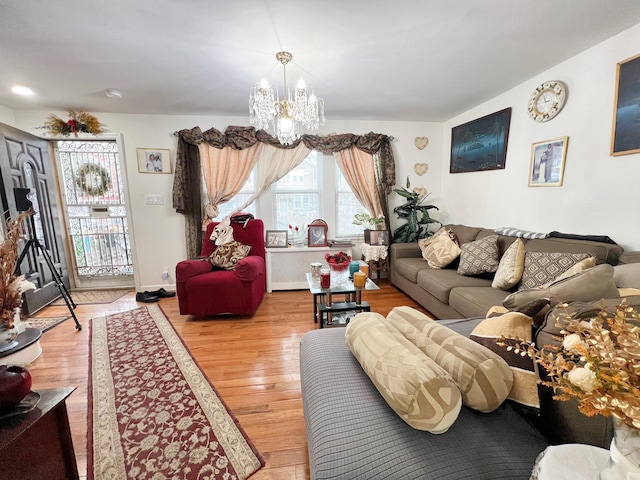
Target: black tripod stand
column 36, row 245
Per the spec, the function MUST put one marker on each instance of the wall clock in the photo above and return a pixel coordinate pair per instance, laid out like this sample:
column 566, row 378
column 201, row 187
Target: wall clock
column 547, row 100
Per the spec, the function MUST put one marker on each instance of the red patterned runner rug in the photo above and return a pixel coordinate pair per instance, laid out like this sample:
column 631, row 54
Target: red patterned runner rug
column 152, row 412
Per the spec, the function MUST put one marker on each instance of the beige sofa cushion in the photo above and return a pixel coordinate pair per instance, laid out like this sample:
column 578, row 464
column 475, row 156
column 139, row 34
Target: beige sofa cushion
column 627, row 276
column 440, row 249
column 513, row 325
column 511, row 266
column 483, row 377
column 422, row 393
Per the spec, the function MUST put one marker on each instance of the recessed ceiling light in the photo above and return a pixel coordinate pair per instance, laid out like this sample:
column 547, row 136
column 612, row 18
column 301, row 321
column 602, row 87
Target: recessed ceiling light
column 113, row 93
column 20, row 90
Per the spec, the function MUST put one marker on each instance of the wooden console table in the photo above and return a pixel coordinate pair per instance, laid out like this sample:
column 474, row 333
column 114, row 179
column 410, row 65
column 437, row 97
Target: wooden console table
column 38, row 444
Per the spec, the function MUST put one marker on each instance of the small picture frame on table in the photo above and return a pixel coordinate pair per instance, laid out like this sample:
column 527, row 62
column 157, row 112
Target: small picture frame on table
column 154, row 160
column 276, row 239
column 317, row 236
column 379, row 237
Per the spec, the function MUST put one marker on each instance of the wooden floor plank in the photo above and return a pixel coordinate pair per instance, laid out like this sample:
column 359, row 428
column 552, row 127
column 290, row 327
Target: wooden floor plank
column 252, row 362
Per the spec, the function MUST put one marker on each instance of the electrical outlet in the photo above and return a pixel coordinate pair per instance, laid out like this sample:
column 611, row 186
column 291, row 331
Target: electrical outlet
column 165, row 273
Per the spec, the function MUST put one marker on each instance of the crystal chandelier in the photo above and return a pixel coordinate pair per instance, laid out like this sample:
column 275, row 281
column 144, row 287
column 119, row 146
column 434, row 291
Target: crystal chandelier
column 301, row 106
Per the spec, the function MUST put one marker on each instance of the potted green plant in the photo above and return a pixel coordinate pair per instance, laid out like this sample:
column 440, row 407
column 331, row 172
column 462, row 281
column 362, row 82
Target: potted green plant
column 416, row 215
column 367, row 221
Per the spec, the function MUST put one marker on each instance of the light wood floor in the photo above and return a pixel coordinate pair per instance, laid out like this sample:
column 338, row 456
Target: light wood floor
column 252, row 362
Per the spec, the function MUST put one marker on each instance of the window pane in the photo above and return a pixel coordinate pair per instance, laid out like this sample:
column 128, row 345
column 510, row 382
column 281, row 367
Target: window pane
column 297, row 195
column 346, row 207
column 296, row 209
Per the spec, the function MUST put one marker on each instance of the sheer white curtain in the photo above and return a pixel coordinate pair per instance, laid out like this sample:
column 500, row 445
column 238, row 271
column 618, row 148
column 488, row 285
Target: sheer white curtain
column 358, row 170
column 273, row 164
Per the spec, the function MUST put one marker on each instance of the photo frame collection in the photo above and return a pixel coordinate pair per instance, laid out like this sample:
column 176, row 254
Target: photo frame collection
column 277, row 239
column 481, row 144
column 154, row 160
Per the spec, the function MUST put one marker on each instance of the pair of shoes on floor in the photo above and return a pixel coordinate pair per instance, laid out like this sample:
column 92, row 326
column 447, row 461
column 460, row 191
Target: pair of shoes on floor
column 162, row 293
column 146, row 297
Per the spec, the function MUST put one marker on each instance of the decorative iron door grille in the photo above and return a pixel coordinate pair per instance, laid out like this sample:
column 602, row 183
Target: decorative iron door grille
column 96, row 213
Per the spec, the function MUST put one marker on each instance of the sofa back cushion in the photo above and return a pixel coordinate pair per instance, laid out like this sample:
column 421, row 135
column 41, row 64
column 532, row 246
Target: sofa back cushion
column 604, row 252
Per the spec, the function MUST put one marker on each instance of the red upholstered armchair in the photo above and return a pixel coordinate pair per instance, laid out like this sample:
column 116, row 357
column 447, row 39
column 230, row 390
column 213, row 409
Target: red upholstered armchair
column 206, row 290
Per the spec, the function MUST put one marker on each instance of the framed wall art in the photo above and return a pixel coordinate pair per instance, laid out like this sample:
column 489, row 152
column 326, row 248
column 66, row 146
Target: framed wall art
column 276, row 239
column 154, row 160
column 547, row 162
column 480, row 144
column 626, row 114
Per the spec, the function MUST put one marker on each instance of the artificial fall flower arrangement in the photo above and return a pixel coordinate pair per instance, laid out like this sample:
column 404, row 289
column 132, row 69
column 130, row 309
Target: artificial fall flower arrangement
column 598, row 363
column 79, row 122
column 339, row 258
column 11, row 286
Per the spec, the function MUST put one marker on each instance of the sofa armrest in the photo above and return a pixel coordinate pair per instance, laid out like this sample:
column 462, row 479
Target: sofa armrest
column 249, row 268
column 404, row 250
column 191, row 268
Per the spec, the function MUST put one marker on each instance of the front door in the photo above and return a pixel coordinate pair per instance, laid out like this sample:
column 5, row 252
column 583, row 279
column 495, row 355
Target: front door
column 25, row 163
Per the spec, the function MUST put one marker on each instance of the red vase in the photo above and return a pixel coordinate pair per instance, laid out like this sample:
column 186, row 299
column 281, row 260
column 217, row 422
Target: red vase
column 15, row 384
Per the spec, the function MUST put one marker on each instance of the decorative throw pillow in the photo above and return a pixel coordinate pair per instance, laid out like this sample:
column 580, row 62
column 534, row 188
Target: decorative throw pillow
column 415, row 387
column 511, row 266
column 579, row 267
column 545, row 267
column 590, row 285
column 511, row 325
column 227, row 256
column 440, row 249
column 480, row 256
column 482, row 376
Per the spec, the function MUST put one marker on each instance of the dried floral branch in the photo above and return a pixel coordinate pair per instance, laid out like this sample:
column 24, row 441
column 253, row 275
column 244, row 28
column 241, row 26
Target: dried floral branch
column 598, row 363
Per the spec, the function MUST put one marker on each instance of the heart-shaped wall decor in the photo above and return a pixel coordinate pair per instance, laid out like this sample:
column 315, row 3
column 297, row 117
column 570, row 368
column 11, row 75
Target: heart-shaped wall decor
column 421, row 142
column 420, row 168
column 421, row 191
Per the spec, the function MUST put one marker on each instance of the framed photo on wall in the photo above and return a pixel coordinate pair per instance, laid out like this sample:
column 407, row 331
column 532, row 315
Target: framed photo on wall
column 480, row 144
column 626, row 114
column 276, row 239
column 547, row 162
column 154, row 160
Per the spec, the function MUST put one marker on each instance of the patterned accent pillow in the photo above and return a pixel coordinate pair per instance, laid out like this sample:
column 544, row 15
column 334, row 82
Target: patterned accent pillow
column 480, row 256
column 227, row 256
column 511, row 325
column 511, row 266
column 483, row 377
column 579, row 267
column 516, row 232
column 440, row 249
column 544, row 267
column 415, row 387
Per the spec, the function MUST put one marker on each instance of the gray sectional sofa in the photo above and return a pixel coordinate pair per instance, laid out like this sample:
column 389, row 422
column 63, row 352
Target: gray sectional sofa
column 449, row 295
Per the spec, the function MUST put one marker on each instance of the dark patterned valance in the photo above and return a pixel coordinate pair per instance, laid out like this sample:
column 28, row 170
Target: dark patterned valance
column 187, row 183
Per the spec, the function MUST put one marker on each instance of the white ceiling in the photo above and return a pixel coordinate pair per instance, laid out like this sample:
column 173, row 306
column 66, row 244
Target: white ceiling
column 420, row 60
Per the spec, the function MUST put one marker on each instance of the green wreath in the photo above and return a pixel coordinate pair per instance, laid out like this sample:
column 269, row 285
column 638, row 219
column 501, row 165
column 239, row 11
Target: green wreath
column 93, row 179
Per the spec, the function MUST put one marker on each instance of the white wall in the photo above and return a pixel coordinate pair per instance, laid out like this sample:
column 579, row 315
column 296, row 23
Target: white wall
column 159, row 230
column 600, row 193
column 6, row 115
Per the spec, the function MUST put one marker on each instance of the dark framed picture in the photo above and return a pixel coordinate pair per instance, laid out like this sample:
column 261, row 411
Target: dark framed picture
column 547, row 162
column 317, row 236
column 480, row 144
column 378, row 237
column 276, row 239
column 626, row 114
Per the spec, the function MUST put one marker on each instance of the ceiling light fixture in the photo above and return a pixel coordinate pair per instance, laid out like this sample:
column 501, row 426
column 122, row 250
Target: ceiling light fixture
column 113, row 93
column 20, row 90
column 301, row 106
